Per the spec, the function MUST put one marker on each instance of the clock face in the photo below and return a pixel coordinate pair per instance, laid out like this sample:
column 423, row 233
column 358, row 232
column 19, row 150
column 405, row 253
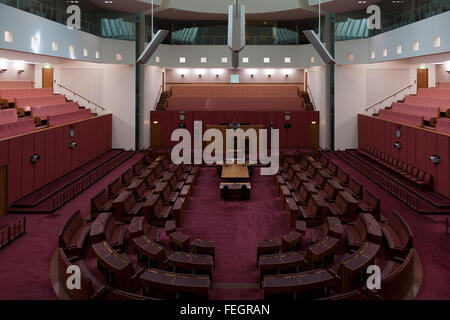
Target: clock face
column 398, row 133
column 181, row 117
column 72, row 133
column 287, row 117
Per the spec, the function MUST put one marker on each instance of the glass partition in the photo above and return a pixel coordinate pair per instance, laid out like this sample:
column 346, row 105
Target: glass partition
column 95, row 20
column 215, row 32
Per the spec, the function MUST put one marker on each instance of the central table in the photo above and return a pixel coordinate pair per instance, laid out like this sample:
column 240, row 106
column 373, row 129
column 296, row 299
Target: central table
column 236, row 181
column 235, row 171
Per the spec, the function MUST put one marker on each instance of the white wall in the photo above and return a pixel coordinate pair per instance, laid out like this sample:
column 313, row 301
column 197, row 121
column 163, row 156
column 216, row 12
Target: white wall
column 317, row 84
column 358, row 86
column 152, row 83
column 25, row 26
column 169, row 56
column 441, row 73
column 111, row 86
column 12, row 74
column 259, row 75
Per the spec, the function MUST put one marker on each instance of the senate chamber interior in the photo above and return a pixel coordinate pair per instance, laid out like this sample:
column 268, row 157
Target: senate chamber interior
column 224, row 150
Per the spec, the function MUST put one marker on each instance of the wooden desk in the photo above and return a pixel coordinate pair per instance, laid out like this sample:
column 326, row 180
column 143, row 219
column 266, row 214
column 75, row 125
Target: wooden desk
column 98, row 228
column 175, row 284
column 146, row 247
column 290, row 241
column 137, row 227
column 204, row 247
column 235, row 171
column 200, row 264
column 318, row 253
column 354, row 266
column 267, row 247
column 296, row 283
column 179, row 241
column 300, row 226
column 279, row 263
column 335, row 228
column 373, row 228
column 229, row 190
column 119, row 270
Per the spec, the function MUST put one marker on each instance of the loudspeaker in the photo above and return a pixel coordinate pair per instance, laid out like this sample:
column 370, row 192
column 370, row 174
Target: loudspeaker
column 318, row 45
column 152, row 46
column 236, row 31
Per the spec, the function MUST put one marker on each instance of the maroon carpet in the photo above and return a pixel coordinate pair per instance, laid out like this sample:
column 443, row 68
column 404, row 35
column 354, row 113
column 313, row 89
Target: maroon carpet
column 25, row 263
column 236, row 226
column 430, row 239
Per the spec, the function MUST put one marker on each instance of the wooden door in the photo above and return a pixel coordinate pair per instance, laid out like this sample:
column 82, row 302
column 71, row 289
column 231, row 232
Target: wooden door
column 3, row 190
column 47, row 78
column 306, row 81
column 155, row 135
column 422, row 78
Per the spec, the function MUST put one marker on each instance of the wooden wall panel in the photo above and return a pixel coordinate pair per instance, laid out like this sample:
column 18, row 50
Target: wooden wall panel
column 4, row 151
column 14, row 169
column 59, row 152
column 27, row 167
column 39, row 167
column 417, row 146
column 50, row 156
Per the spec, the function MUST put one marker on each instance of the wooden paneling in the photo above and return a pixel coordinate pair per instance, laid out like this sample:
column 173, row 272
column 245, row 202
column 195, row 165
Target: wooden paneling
column 56, row 158
column 47, row 78
column 14, row 169
column 422, row 78
column 39, row 167
column 27, row 167
column 3, row 190
column 417, row 147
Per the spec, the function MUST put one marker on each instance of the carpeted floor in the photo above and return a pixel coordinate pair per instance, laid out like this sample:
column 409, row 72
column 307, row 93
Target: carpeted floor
column 430, row 240
column 25, row 263
column 234, row 225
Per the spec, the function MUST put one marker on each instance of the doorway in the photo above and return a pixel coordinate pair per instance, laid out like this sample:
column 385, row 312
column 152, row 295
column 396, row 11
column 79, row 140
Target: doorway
column 155, row 134
column 3, row 190
column 422, row 78
column 47, row 77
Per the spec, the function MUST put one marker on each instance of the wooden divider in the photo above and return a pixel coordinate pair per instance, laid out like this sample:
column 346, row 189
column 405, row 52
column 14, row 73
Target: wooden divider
column 93, row 138
column 301, row 133
column 418, row 145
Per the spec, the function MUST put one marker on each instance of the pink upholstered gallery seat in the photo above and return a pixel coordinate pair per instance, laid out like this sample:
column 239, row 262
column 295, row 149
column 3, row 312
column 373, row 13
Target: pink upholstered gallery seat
column 427, row 112
column 235, row 91
column 16, row 128
column 23, row 102
column 21, row 84
column 442, row 103
column 59, row 119
column 8, row 116
column 12, row 94
column 443, row 125
column 434, row 92
column 43, row 112
column 401, row 118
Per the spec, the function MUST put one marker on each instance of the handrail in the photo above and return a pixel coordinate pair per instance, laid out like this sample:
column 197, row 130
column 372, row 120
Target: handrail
column 389, row 96
column 79, row 95
column 311, row 96
column 158, row 96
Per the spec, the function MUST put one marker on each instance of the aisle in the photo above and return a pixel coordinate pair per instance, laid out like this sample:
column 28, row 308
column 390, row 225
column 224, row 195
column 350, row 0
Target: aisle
column 235, row 226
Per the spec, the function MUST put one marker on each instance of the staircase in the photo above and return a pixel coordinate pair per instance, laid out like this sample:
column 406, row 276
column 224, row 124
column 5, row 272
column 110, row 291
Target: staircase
column 162, row 100
column 307, row 104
